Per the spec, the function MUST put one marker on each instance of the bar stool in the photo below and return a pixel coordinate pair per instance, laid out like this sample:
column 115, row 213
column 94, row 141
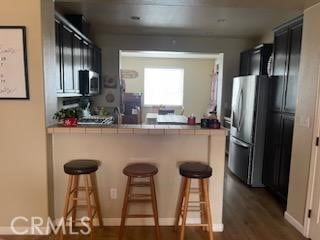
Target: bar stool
column 87, row 169
column 201, row 172
column 134, row 171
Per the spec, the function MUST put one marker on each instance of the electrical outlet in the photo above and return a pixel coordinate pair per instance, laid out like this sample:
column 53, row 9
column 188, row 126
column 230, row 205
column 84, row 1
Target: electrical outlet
column 113, row 193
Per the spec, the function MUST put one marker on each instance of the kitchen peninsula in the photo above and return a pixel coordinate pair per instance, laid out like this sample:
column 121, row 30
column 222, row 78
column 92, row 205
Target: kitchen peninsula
column 166, row 146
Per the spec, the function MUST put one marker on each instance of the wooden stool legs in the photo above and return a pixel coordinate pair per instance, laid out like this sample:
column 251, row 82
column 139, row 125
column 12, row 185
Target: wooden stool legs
column 155, row 208
column 142, row 198
column 183, row 206
column 125, row 208
column 72, row 198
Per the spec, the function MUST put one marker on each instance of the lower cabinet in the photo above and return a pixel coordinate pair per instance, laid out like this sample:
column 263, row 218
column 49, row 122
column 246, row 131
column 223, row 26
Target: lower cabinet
column 276, row 168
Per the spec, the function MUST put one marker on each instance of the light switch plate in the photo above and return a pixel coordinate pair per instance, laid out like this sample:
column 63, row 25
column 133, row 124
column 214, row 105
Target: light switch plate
column 304, row 122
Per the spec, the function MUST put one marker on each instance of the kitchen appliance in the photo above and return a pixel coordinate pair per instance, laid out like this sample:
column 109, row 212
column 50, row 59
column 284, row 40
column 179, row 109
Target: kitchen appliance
column 247, row 132
column 89, row 83
column 210, row 123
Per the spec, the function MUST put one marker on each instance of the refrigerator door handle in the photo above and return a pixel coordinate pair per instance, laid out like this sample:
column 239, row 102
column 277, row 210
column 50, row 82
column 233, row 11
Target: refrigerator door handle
column 234, row 121
column 240, row 109
column 242, row 144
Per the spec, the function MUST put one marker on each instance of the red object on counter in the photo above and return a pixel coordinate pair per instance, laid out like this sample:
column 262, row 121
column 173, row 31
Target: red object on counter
column 191, row 120
column 70, row 122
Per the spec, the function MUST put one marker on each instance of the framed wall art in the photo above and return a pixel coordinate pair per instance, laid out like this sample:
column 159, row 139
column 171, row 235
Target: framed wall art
column 13, row 63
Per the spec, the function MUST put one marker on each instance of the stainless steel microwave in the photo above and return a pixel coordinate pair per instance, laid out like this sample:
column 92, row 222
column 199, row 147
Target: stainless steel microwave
column 89, row 82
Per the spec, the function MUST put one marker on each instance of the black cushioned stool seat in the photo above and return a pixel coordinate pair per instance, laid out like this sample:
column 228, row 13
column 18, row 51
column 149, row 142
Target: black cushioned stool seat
column 140, row 170
column 195, row 170
column 81, row 166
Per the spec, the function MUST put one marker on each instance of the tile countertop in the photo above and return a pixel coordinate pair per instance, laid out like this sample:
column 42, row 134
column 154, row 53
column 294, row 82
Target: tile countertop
column 136, row 129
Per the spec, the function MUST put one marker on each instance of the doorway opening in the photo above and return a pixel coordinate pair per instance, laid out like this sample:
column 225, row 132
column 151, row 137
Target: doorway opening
column 179, row 83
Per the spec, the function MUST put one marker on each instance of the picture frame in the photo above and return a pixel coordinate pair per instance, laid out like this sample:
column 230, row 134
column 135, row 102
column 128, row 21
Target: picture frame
column 14, row 83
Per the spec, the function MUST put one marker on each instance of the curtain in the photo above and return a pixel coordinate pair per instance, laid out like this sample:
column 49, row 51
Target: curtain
column 212, row 106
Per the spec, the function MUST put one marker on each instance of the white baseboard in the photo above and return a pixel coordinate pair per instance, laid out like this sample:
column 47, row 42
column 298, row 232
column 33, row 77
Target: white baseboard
column 108, row 222
column 24, row 230
column 150, row 222
column 294, row 222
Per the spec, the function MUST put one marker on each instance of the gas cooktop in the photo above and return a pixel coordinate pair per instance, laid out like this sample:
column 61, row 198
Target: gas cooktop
column 96, row 120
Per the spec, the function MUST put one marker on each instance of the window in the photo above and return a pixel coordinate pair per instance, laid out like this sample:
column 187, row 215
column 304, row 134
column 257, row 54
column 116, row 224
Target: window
column 163, row 86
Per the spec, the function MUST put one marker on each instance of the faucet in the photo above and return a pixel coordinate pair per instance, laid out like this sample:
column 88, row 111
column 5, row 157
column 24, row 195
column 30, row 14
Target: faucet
column 117, row 112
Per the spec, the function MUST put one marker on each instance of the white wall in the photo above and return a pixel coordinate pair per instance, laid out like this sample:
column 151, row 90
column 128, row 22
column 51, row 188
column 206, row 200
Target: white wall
column 23, row 171
column 268, row 37
column 231, row 47
column 49, row 59
column 306, row 103
column 197, row 80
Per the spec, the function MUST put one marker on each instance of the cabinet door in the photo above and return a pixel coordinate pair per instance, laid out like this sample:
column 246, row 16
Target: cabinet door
column 85, row 55
column 90, row 57
column 272, row 156
column 59, row 78
column 245, row 63
column 67, row 39
column 284, row 171
column 77, row 61
column 293, row 68
column 255, row 62
column 96, row 64
column 279, row 68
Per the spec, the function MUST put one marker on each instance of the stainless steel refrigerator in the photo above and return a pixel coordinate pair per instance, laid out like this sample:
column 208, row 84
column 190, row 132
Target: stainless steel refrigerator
column 248, row 126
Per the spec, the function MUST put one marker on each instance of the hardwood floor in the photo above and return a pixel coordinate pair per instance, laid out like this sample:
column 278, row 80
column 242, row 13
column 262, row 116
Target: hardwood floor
column 249, row 214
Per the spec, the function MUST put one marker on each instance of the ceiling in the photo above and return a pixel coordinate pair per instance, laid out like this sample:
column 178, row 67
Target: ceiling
column 231, row 18
column 168, row 54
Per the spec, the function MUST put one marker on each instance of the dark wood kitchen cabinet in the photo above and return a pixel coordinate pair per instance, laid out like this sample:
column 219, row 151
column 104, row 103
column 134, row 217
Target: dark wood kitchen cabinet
column 74, row 52
column 277, row 156
column 96, row 59
column 255, row 61
column 86, row 58
column 245, row 63
column 59, row 82
column 77, row 61
column 67, row 60
column 282, row 104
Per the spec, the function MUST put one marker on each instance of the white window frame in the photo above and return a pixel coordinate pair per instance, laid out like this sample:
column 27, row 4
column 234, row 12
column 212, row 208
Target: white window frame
column 158, row 105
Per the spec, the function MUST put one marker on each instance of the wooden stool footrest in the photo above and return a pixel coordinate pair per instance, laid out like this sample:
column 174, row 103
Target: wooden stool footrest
column 139, row 195
column 80, row 189
column 199, row 202
column 140, row 200
column 197, row 225
column 140, row 215
column 142, row 184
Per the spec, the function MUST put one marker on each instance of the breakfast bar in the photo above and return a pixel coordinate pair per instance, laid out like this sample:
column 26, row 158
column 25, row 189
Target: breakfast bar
column 165, row 146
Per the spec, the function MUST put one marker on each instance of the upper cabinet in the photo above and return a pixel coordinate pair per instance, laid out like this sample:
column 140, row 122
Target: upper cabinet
column 77, row 61
column 287, row 47
column 74, row 52
column 67, row 59
column 59, row 82
column 255, row 61
column 293, row 56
